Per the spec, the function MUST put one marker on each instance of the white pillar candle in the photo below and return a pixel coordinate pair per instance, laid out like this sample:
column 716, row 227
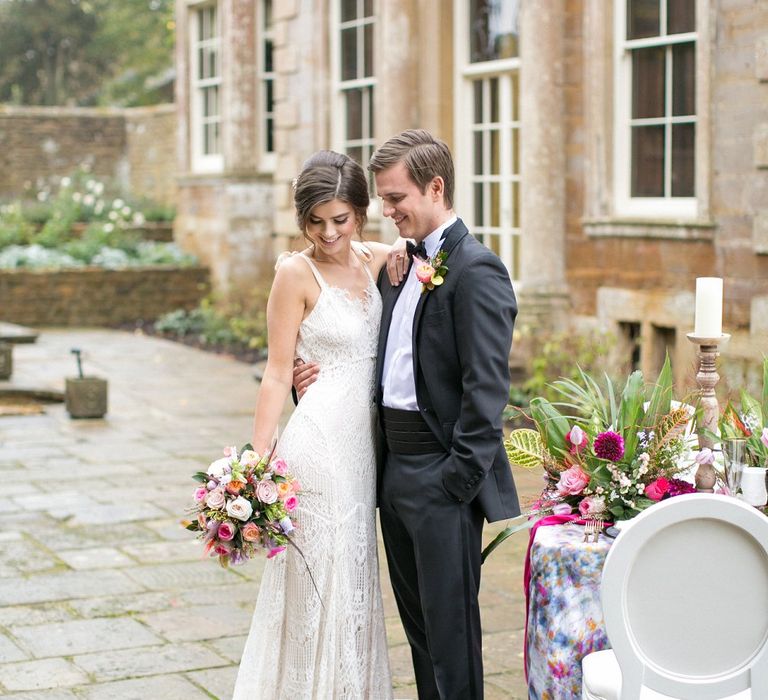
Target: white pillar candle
column 709, row 307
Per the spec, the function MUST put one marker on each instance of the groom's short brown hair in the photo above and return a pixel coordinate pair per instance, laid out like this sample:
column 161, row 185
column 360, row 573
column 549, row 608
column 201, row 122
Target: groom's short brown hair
column 425, row 157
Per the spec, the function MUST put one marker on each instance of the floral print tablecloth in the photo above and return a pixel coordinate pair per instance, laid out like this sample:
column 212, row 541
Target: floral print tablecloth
column 565, row 620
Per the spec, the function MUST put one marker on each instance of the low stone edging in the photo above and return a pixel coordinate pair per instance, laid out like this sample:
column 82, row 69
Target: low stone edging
column 94, row 296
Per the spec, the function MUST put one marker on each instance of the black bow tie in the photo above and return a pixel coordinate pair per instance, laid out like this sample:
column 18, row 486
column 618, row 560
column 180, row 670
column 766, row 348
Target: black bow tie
column 418, row 250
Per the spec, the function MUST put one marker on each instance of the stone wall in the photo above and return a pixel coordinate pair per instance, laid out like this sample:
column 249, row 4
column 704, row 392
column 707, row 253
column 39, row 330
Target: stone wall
column 132, row 148
column 98, row 297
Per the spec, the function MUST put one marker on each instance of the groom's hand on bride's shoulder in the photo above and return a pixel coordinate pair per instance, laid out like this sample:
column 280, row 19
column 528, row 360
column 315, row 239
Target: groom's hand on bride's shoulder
column 304, row 374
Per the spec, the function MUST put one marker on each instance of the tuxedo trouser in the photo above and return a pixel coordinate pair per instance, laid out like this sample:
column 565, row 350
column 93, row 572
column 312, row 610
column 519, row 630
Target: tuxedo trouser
column 433, row 546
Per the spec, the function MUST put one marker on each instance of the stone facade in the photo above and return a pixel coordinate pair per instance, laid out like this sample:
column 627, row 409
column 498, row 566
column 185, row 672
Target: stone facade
column 132, row 148
column 580, row 260
column 99, row 297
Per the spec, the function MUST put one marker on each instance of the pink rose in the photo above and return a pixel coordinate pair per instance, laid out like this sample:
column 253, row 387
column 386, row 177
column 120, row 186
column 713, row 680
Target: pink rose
column 279, row 467
column 226, row 531
column 222, row 549
column 562, row 509
column 230, row 452
column 572, row 481
column 424, row 272
column 266, row 491
column 290, row 503
column 764, row 437
column 657, row 489
column 577, row 439
column 200, row 494
column 251, row 532
column 215, row 499
column 295, row 486
column 591, row 505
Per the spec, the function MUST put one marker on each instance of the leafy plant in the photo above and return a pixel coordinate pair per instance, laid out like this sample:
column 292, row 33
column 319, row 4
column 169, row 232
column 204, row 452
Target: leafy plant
column 747, row 419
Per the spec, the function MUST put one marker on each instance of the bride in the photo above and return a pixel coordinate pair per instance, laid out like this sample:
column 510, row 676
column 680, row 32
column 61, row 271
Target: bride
column 318, row 628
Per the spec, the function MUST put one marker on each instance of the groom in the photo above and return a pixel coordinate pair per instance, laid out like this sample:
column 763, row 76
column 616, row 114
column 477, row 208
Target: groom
column 442, row 379
column 443, row 382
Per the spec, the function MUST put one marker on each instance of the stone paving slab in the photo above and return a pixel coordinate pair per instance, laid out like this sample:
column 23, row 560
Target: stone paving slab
column 97, row 576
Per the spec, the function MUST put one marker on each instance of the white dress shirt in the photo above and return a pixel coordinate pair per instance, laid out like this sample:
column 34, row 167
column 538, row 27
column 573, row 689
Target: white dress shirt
column 398, row 381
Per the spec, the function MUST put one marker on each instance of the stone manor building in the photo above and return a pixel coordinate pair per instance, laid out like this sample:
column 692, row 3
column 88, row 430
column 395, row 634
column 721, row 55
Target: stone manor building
column 610, row 151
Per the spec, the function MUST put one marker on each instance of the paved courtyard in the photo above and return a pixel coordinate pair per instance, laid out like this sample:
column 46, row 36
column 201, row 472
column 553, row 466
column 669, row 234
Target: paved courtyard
column 102, row 593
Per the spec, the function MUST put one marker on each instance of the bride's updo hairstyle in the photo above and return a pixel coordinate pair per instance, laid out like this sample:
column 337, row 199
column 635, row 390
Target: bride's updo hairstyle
column 326, row 176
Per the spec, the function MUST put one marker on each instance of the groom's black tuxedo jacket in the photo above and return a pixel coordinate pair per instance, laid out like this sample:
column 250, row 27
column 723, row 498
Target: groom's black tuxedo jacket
column 461, row 341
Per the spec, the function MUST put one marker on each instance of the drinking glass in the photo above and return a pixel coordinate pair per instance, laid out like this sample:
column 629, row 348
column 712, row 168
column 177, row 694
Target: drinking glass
column 735, row 457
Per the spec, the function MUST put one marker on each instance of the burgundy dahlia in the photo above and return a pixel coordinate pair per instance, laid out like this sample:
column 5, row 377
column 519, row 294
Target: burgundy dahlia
column 610, row 446
column 677, row 487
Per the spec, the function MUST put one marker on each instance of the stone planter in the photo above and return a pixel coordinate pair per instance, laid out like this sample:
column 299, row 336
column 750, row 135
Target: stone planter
column 6, row 360
column 86, row 397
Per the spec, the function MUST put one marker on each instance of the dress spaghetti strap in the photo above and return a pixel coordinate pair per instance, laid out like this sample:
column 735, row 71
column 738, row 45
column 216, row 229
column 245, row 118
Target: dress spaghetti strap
column 363, row 253
column 315, row 271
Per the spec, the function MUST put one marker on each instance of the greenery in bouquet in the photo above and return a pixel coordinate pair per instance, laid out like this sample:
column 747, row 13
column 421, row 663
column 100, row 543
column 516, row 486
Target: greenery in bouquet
column 244, row 504
column 747, row 419
column 605, row 454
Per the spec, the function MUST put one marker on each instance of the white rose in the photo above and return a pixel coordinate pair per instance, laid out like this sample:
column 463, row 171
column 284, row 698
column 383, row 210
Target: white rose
column 239, row 508
column 216, row 469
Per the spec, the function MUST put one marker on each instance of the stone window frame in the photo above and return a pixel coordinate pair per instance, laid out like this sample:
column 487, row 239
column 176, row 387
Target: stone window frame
column 505, row 237
column 341, row 87
column 265, row 43
column 205, row 162
column 603, row 215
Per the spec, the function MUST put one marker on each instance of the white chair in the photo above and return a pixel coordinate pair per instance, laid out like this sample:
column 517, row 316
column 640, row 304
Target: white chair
column 684, row 594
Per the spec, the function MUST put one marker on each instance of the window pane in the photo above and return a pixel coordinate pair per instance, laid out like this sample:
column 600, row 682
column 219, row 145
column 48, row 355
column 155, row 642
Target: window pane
column 200, row 64
column 369, row 101
column 515, row 96
column 683, row 145
column 684, row 79
column 495, row 152
column 478, row 152
column 349, row 53
column 368, row 8
column 648, row 82
column 495, row 204
column 477, row 88
column 356, row 154
column 269, row 96
column 515, row 141
column 354, row 114
column 479, row 200
column 643, row 17
column 493, row 29
column 348, row 10
column 516, row 205
column 648, row 161
column 681, row 16
column 270, row 136
column 494, row 84
column 268, row 52
column 368, row 50
column 267, row 14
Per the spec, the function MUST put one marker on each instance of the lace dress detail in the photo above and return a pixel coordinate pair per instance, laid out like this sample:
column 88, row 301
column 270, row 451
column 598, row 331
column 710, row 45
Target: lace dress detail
column 331, row 646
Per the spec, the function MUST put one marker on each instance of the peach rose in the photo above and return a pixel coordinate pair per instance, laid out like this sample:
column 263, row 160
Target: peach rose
column 251, row 532
column 424, row 272
column 235, row 487
column 283, row 490
column 239, row 509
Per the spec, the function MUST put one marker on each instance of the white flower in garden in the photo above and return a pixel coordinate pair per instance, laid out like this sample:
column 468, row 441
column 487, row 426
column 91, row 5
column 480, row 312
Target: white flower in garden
column 98, row 188
column 42, row 196
column 138, row 219
column 99, row 207
column 108, row 228
column 113, row 216
column 118, row 204
column 66, row 182
column 126, row 211
column 88, row 200
column 77, row 197
column 90, row 185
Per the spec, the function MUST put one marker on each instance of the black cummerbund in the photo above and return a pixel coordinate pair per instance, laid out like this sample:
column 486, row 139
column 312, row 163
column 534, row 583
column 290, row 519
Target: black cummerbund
column 407, row 433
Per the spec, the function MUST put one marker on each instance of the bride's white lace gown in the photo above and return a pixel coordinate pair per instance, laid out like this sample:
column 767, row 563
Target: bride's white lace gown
column 332, row 645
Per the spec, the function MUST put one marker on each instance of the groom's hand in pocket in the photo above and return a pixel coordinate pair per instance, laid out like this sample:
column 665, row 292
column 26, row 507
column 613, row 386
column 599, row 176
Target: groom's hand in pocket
column 304, row 374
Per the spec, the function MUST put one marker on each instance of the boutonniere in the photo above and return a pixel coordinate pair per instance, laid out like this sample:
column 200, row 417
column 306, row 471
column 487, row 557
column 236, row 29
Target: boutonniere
column 431, row 272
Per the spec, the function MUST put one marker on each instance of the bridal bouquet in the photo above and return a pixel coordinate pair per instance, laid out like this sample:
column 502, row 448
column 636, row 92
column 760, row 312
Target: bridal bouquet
column 602, row 457
column 244, row 504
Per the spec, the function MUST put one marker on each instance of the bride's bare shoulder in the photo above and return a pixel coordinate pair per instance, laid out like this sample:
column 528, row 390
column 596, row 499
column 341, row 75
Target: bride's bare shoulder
column 290, row 267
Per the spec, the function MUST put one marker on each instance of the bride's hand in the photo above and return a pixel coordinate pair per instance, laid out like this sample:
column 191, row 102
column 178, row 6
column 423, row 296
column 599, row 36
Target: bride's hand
column 397, row 262
column 304, row 374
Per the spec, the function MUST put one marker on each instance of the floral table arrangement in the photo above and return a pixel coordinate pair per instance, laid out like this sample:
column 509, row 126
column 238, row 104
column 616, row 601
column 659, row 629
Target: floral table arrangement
column 605, row 456
column 244, row 504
